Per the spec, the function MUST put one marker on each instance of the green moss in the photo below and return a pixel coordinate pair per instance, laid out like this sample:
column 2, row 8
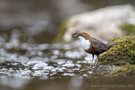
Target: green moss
column 60, row 32
column 123, row 52
column 126, row 69
column 129, row 28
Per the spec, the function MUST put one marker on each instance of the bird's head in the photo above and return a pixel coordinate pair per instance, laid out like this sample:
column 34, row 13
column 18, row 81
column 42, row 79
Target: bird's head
column 82, row 34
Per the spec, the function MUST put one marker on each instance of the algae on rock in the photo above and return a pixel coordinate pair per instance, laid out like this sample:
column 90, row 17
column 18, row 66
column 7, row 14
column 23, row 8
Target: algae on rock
column 128, row 28
column 125, row 69
column 122, row 53
column 60, row 33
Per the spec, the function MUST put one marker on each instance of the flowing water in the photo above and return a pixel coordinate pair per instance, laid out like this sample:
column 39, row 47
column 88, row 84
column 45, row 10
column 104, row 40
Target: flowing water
column 28, row 60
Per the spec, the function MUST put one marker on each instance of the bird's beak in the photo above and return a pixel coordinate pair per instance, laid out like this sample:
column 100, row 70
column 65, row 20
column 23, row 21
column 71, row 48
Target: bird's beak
column 75, row 35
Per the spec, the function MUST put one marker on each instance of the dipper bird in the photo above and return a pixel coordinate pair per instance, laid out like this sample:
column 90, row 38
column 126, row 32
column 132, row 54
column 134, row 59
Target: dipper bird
column 91, row 45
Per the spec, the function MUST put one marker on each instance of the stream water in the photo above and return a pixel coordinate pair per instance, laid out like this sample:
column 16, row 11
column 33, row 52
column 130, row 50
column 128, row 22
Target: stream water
column 28, row 60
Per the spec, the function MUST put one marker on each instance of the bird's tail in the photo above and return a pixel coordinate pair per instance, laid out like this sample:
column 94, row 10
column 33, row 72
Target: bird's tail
column 109, row 45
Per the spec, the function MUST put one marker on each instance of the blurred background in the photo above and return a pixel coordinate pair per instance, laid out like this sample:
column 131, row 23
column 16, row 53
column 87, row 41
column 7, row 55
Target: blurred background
column 29, row 60
column 39, row 21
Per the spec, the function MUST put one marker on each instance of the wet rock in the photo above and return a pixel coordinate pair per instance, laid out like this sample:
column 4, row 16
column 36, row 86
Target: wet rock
column 102, row 24
column 124, row 70
column 122, row 53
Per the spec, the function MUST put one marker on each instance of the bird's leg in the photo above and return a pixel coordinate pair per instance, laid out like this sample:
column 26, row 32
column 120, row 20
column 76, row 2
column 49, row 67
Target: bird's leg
column 95, row 63
column 92, row 58
column 91, row 64
column 92, row 67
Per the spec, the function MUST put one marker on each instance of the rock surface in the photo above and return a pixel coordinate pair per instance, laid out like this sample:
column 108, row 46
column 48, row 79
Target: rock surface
column 123, row 52
column 102, row 24
column 122, row 55
column 124, row 70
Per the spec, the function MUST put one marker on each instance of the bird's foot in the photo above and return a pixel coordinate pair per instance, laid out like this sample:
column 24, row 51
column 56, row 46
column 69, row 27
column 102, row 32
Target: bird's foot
column 93, row 65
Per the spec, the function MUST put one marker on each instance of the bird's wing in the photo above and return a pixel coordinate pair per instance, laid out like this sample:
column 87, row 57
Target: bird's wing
column 98, row 46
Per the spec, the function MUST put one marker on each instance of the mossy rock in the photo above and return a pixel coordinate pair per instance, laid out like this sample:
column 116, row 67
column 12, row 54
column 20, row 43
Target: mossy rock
column 128, row 28
column 124, row 70
column 121, row 53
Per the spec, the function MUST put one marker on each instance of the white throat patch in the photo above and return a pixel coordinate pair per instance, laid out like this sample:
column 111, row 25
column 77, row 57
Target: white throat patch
column 85, row 43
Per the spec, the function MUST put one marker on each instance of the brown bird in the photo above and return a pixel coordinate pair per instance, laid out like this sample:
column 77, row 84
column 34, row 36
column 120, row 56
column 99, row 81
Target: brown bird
column 91, row 45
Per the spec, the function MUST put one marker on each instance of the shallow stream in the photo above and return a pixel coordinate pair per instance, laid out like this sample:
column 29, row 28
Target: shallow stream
column 29, row 60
